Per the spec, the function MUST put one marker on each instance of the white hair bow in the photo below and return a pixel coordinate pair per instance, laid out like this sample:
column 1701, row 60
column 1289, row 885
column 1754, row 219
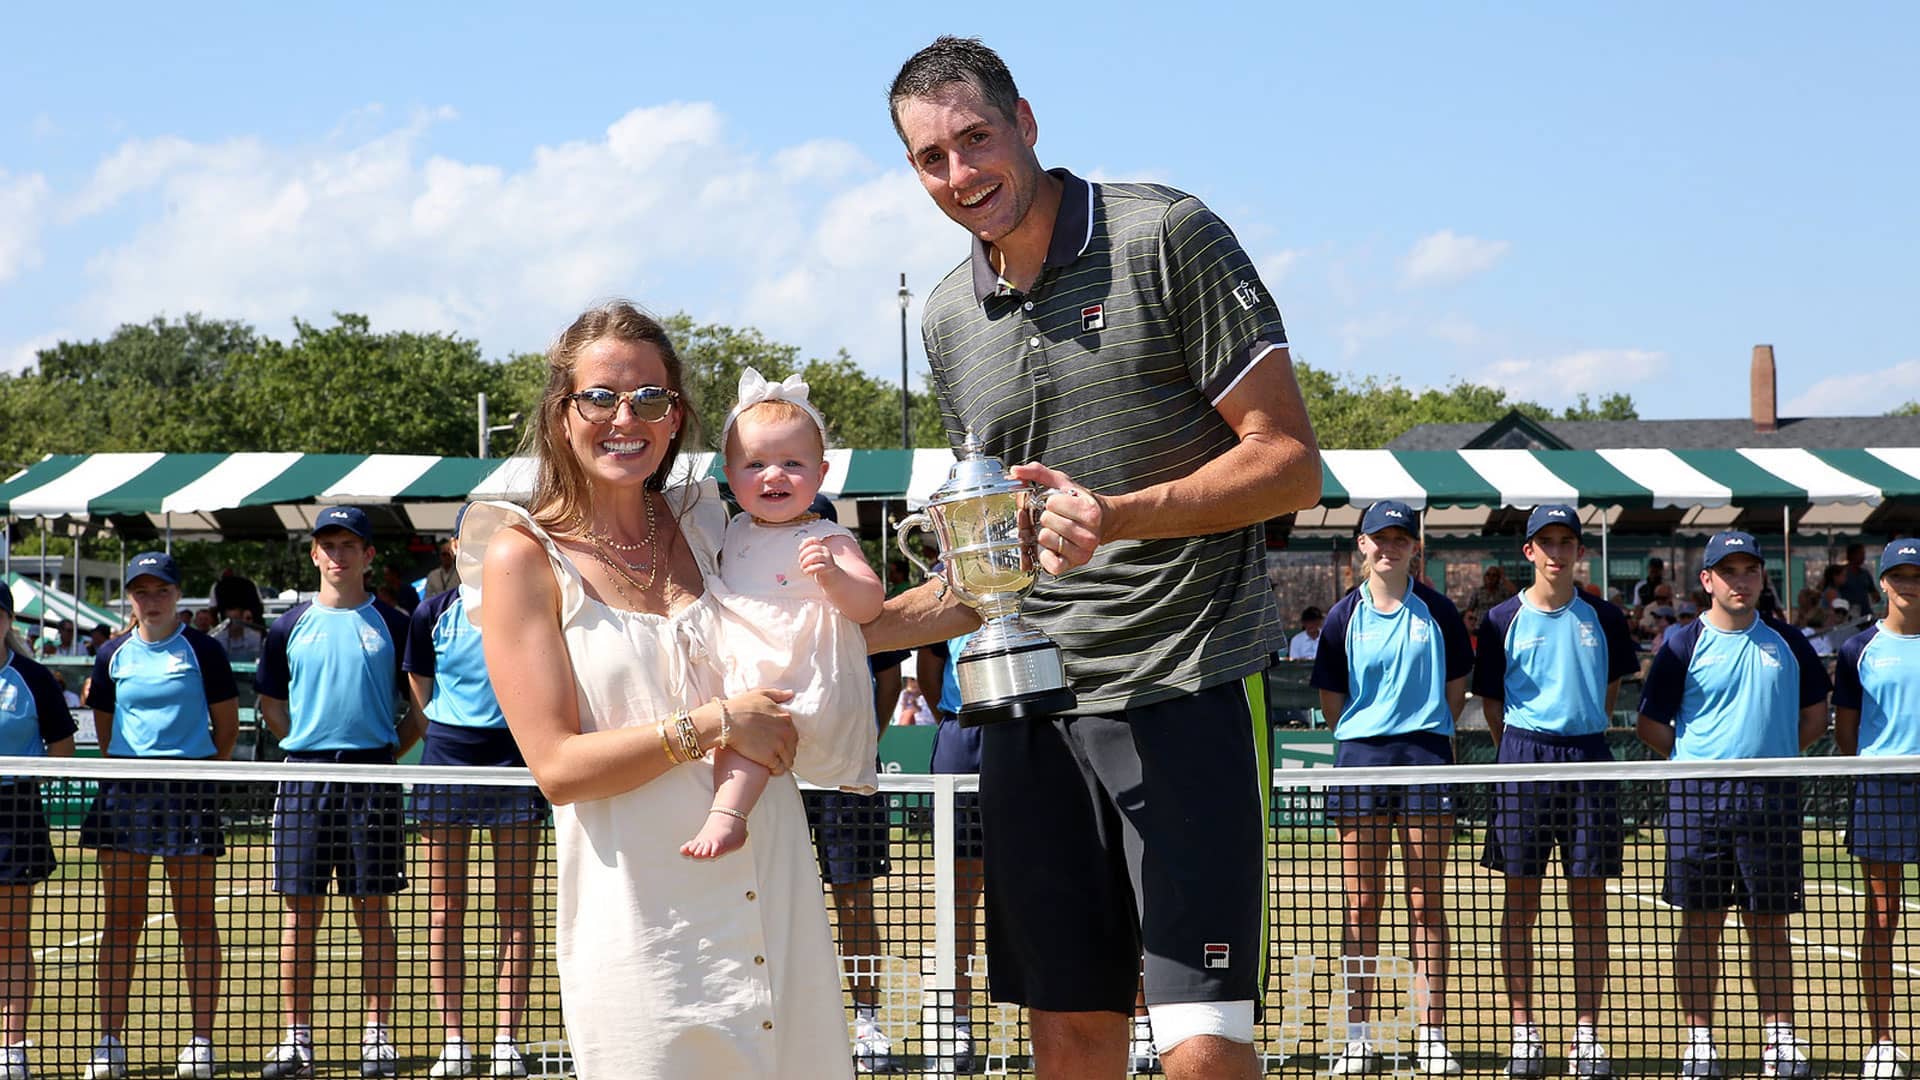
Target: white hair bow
column 754, row 389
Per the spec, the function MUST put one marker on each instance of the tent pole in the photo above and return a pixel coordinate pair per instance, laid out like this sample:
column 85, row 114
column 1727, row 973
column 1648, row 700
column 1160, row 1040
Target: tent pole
column 41, row 524
column 1606, row 563
column 1786, row 564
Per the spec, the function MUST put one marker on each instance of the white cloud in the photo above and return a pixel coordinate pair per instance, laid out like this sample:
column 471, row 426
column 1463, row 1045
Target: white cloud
column 1356, row 334
column 23, row 355
column 1559, row 379
column 1445, row 257
column 1274, row 268
column 1457, row 330
column 1865, row 393
column 21, row 201
column 803, row 242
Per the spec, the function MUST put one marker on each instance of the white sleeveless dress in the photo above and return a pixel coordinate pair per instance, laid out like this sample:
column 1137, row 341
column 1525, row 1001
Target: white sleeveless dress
column 778, row 629
column 673, row 967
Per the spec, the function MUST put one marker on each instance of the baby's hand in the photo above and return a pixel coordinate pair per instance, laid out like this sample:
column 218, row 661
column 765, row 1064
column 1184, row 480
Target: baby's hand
column 816, row 561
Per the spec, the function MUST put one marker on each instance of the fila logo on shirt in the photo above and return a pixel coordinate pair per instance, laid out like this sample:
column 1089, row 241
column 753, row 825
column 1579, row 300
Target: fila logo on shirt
column 1247, row 295
column 1093, row 317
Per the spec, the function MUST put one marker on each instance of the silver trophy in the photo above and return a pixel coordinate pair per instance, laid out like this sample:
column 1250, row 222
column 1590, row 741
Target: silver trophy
column 985, row 523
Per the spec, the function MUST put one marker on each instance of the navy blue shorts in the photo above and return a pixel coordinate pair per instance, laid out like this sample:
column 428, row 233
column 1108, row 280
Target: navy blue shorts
column 168, row 818
column 1885, row 823
column 1579, row 818
column 330, row 829
column 26, row 845
column 1392, row 800
column 850, row 835
column 479, row 806
column 1734, row 843
column 956, row 749
column 1118, row 837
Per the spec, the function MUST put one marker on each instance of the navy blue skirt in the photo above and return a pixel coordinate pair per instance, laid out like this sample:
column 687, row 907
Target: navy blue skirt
column 168, row 818
column 479, row 806
column 26, row 846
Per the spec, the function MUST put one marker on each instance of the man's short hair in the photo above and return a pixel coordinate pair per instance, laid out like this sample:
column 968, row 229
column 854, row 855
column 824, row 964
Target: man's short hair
column 950, row 60
column 1311, row 614
column 1654, row 563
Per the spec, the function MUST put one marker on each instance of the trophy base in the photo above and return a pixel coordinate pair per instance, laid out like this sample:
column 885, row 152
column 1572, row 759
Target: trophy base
column 1023, row 707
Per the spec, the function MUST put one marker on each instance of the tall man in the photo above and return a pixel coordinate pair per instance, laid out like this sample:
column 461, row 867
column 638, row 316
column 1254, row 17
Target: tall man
column 1118, row 332
column 1548, row 669
column 1730, row 685
column 329, row 680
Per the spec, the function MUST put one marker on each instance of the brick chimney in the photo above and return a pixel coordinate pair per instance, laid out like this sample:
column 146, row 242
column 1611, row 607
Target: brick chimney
column 1766, row 402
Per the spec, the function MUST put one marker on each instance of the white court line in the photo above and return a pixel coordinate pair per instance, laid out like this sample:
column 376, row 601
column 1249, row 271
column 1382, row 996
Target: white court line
column 1905, row 905
column 152, row 921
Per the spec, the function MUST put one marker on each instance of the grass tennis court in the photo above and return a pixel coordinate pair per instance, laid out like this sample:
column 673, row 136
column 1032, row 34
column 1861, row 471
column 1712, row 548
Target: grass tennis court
column 1641, row 1027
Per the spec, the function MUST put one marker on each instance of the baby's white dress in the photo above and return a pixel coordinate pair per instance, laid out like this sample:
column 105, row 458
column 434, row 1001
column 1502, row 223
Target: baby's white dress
column 675, row 968
column 779, row 630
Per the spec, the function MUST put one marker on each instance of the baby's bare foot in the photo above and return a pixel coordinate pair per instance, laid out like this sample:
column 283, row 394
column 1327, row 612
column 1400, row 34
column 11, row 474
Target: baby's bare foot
column 725, row 831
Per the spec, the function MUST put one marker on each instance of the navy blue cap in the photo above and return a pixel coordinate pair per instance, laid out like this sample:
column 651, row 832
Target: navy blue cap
column 351, row 518
column 1552, row 514
column 1900, row 553
column 1389, row 514
column 1731, row 542
column 156, row 564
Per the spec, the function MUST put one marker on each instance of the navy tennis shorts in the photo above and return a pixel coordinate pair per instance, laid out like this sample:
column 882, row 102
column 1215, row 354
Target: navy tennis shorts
column 850, row 835
column 480, row 806
column 1117, row 837
column 1578, row 818
column 956, row 749
column 1392, row 800
column 1885, row 823
column 1734, row 843
column 328, row 829
column 168, row 818
column 26, row 845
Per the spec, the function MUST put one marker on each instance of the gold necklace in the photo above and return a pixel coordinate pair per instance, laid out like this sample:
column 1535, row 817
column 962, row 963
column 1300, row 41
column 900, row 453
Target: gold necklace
column 603, row 544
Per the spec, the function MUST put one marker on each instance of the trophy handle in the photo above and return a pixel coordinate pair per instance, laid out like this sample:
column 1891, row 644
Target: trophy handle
column 909, row 524
column 1036, row 505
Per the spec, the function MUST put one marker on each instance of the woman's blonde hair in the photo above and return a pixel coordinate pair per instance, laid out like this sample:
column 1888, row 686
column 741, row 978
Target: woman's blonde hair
column 560, row 489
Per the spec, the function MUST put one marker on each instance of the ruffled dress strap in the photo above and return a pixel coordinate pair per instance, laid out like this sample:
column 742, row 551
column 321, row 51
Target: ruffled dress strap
column 702, row 515
column 485, row 521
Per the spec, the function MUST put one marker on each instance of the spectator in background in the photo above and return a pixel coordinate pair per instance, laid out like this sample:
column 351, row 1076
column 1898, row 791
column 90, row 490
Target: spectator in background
column 34, row 722
column 1857, row 586
column 63, row 642
column 235, row 591
column 203, row 620
column 444, row 576
column 242, row 639
column 1494, row 589
column 1641, row 594
column 396, row 591
column 1306, row 644
column 66, row 692
column 97, row 637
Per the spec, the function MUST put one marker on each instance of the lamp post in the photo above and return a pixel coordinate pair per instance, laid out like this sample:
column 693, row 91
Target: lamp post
column 906, row 418
column 487, row 431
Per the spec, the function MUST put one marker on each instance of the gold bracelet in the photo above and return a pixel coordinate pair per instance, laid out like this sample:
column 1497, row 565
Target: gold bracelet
column 667, row 744
column 689, row 737
column 726, row 724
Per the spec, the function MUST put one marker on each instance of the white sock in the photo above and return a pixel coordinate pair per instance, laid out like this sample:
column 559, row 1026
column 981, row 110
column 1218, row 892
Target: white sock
column 1585, row 1033
column 1142, row 1026
column 867, row 1012
column 199, row 1040
column 1526, row 1033
column 373, row 1030
column 1779, row 1034
column 1700, row 1034
column 1431, row 1034
column 1361, row 1032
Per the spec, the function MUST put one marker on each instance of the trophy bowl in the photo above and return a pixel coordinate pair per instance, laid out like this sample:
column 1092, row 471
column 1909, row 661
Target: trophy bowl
column 985, row 524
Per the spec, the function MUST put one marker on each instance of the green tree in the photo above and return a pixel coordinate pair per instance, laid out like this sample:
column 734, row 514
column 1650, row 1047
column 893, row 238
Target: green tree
column 1365, row 412
column 1911, row 408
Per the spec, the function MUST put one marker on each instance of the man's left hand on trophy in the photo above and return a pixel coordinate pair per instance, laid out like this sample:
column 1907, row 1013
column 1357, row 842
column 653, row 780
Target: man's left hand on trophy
column 1073, row 523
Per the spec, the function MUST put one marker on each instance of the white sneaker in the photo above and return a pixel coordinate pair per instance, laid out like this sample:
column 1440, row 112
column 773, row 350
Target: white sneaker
column 1589, row 1059
column 1786, row 1059
column 963, row 1059
column 1883, row 1062
column 1357, row 1058
column 195, row 1061
column 1433, row 1056
column 1141, row 1055
column 14, row 1064
column 109, row 1060
column 1701, row 1061
column 504, row 1059
column 377, row 1055
column 289, row 1058
column 1527, row 1057
column 872, row 1050
column 456, row 1059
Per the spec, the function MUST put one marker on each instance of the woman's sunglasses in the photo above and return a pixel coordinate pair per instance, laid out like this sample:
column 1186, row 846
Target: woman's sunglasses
column 597, row 404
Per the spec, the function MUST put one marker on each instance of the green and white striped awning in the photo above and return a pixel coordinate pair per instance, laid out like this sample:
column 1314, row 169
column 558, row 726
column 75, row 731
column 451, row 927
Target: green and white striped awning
column 160, row 485
column 38, row 602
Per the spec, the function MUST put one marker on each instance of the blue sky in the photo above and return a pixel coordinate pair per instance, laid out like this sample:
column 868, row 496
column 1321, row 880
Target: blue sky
column 1545, row 199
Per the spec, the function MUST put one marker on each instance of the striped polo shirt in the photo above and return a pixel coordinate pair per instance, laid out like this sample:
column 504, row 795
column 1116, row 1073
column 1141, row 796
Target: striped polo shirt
column 1146, row 314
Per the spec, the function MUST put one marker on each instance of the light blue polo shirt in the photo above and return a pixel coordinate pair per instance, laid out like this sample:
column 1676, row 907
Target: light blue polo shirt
column 159, row 693
column 1393, row 668
column 338, row 669
column 33, row 712
column 1878, row 673
column 1551, row 668
column 444, row 645
column 1733, row 695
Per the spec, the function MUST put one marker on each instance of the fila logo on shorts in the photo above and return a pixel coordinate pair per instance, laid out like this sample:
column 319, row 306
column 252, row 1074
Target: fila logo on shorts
column 1216, row 955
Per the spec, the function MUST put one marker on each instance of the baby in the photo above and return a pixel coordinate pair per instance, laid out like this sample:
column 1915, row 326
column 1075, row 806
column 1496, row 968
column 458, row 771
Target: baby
column 793, row 590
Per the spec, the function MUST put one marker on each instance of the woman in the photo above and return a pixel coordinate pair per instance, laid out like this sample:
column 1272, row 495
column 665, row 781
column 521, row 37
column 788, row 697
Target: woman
column 161, row 690
column 595, row 625
column 448, row 676
column 1392, row 674
column 34, row 722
